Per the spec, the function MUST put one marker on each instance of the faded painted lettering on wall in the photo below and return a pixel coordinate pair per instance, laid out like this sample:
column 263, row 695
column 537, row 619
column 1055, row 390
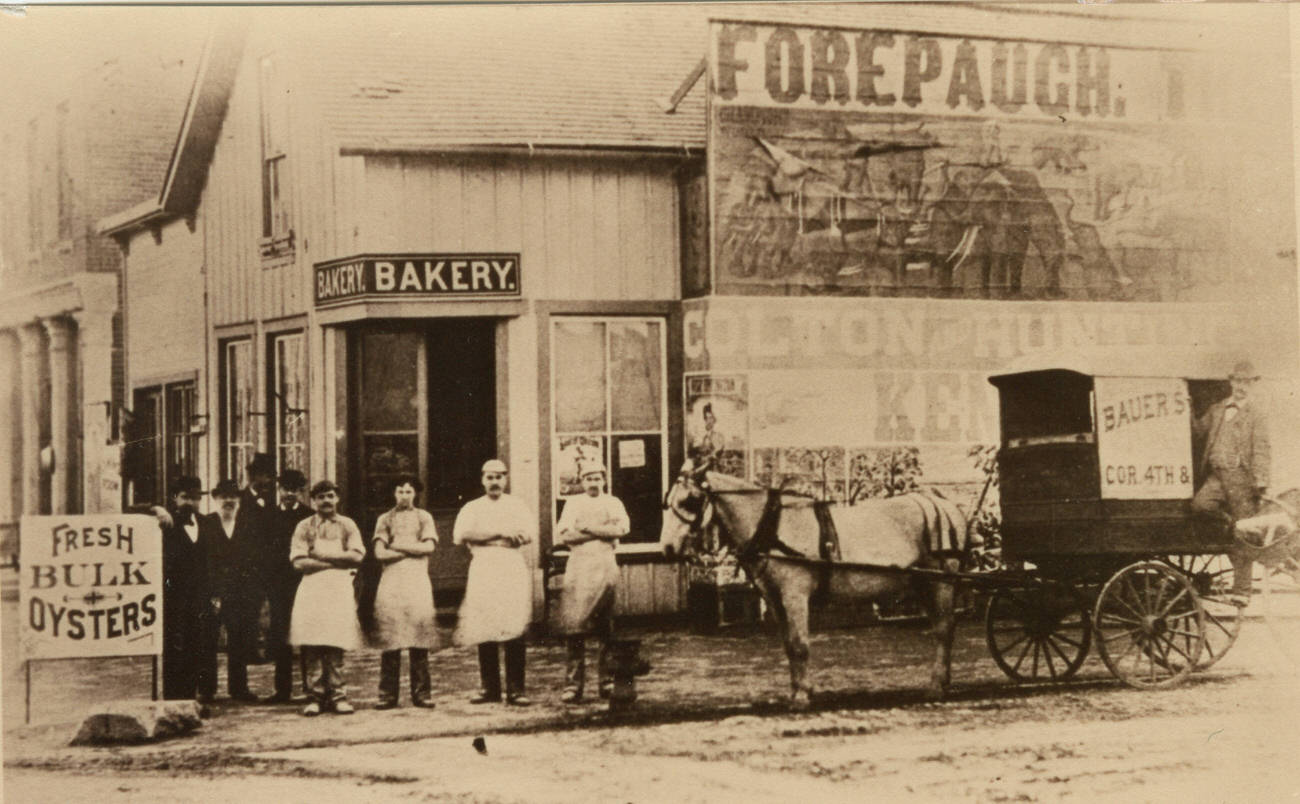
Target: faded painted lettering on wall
column 863, row 162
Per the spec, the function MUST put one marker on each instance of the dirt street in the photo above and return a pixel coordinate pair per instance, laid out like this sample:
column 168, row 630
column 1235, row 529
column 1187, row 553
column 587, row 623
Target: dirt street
column 709, row 727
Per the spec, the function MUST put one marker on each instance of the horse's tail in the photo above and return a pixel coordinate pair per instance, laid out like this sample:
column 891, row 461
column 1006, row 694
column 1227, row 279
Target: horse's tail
column 944, row 526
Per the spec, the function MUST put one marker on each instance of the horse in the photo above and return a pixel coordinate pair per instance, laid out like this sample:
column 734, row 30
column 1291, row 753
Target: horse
column 789, row 545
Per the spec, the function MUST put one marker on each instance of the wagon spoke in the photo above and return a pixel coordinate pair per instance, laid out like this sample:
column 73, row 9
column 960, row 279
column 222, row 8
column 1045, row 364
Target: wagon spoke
column 1047, row 656
column 1014, row 642
column 1182, row 616
column 1181, row 652
column 1181, row 594
column 1023, row 654
column 1115, row 618
column 1059, row 635
column 1216, row 622
column 1119, row 598
column 1188, row 634
column 1052, row 643
column 1112, row 637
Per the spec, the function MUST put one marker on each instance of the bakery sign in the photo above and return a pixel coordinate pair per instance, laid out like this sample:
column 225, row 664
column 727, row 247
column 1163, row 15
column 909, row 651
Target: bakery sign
column 392, row 276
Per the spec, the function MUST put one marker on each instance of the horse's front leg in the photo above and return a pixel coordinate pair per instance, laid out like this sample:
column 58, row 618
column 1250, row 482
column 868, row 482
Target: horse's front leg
column 795, row 603
column 943, row 624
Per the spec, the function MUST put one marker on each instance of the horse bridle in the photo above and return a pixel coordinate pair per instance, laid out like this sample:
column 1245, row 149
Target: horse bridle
column 691, row 511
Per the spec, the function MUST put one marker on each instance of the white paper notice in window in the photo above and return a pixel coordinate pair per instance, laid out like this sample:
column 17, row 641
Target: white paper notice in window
column 631, row 453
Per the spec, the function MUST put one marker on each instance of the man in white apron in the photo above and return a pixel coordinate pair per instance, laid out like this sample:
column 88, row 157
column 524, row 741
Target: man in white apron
column 326, row 548
column 591, row 525
column 498, row 601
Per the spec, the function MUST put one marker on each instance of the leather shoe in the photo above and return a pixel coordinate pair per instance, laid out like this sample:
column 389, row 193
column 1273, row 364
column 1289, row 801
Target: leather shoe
column 571, row 696
column 519, row 700
column 311, row 710
column 423, row 703
column 485, row 698
column 278, row 698
column 386, row 704
column 343, row 708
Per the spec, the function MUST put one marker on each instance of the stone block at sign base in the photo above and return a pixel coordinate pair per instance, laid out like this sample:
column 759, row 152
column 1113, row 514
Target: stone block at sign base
column 118, row 722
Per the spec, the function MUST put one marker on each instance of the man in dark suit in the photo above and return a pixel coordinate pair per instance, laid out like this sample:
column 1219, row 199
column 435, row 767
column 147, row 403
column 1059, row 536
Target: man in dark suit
column 233, row 547
column 281, row 578
column 185, row 591
column 1235, row 464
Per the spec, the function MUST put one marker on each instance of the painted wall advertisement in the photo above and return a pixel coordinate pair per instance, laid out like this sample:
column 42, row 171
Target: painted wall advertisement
column 862, row 162
column 90, row 586
column 1144, row 438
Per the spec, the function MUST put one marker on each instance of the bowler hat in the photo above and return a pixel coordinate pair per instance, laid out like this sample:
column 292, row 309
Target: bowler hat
column 261, row 464
column 226, row 488
column 187, row 484
column 1244, row 370
column 293, row 480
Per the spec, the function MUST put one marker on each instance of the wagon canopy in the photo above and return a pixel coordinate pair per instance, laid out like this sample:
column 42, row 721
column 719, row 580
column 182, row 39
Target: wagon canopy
column 1189, row 364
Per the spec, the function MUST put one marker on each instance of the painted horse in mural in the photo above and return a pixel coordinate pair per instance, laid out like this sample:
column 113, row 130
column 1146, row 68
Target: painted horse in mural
column 797, row 550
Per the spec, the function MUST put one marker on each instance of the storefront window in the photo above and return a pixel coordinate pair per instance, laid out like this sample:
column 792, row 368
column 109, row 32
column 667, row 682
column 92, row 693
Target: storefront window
column 609, row 403
column 389, row 402
column 289, row 402
column 237, row 406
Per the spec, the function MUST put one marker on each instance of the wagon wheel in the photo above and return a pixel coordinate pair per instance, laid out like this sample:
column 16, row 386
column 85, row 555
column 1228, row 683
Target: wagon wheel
column 1211, row 577
column 1037, row 635
column 1150, row 625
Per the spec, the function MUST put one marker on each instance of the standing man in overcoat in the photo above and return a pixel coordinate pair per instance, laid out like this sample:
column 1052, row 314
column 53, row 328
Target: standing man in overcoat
column 281, row 578
column 185, row 591
column 498, row 602
column 233, row 543
column 1235, row 464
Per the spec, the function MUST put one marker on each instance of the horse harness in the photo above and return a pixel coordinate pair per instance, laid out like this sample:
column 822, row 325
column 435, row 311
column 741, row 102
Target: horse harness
column 767, row 540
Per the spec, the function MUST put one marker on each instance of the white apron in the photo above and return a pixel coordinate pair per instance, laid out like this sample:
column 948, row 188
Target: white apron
column 325, row 610
column 404, row 606
column 498, row 601
column 590, row 579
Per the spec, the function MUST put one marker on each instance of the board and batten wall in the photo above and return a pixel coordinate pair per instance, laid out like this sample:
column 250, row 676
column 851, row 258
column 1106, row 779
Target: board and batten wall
column 601, row 229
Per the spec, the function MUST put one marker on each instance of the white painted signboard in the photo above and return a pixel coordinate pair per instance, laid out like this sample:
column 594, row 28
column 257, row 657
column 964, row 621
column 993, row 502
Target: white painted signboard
column 1144, row 441
column 90, row 585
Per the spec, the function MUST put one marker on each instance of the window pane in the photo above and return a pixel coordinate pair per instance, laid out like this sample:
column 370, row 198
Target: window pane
column 579, row 371
column 389, row 398
column 290, row 403
column 239, row 404
column 635, row 375
column 636, row 478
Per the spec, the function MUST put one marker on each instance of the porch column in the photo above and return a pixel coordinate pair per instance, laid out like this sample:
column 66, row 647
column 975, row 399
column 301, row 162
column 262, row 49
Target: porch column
column 10, row 415
column 95, row 347
column 33, row 345
column 60, row 379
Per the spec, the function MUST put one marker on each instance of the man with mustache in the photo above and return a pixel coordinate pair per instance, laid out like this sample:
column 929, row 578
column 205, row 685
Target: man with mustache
column 1235, row 464
column 185, row 591
column 498, row 601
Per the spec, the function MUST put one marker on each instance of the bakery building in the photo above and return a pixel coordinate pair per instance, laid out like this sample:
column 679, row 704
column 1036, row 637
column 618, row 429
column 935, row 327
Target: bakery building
column 803, row 236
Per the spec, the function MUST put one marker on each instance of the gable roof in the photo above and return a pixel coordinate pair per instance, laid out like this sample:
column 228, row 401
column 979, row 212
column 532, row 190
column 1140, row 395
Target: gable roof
column 596, row 76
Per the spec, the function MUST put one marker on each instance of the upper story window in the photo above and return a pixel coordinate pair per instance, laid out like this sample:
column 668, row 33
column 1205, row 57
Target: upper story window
column 277, row 213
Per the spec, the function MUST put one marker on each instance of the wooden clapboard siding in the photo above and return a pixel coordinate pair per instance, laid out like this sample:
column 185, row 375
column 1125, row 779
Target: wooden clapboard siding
column 652, row 588
column 245, row 287
column 592, row 229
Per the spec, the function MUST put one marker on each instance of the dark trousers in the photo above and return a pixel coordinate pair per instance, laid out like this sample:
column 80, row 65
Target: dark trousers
column 489, row 667
column 325, row 684
column 575, row 669
column 183, row 652
column 390, row 674
column 277, row 638
column 239, row 618
column 1230, row 493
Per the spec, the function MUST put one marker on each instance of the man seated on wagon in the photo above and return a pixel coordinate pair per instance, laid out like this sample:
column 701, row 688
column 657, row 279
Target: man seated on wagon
column 1235, row 464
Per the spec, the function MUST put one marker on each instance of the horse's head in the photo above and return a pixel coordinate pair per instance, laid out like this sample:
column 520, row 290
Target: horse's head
column 688, row 510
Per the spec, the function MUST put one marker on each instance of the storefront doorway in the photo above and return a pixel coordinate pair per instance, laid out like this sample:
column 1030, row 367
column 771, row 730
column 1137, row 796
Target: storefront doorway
column 425, row 402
